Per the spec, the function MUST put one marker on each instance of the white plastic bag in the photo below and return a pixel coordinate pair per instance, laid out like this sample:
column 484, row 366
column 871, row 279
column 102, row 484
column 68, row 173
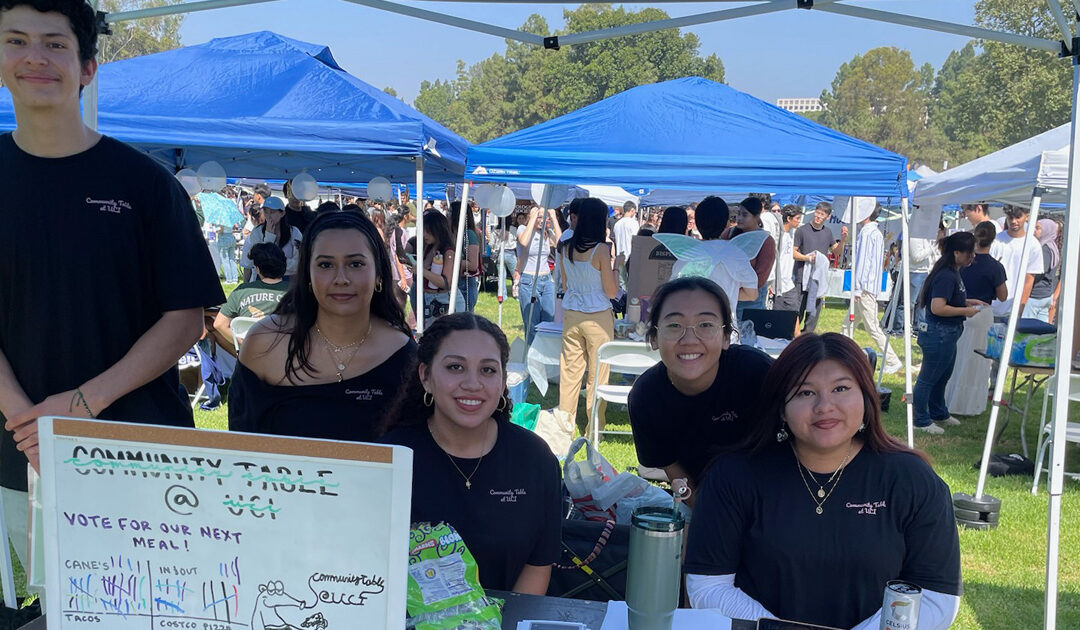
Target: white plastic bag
column 585, row 477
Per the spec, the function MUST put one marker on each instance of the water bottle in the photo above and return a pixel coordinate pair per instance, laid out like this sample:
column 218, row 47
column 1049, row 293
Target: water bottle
column 654, row 571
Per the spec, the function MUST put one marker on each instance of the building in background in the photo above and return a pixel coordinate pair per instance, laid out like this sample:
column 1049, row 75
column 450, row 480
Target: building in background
column 800, row 105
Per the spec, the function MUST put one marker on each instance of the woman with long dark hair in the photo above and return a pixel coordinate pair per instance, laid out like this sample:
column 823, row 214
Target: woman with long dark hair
column 947, row 305
column 674, row 221
column 274, row 229
column 496, row 483
column 588, row 284
column 821, row 508
column 438, row 267
column 469, row 284
column 327, row 362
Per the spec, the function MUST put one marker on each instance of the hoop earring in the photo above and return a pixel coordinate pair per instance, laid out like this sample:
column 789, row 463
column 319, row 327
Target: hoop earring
column 429, row 399
column 504, row 402
column 782, row 435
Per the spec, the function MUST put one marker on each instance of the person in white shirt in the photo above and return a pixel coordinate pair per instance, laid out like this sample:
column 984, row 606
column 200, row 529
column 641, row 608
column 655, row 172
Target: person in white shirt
column 1016, row 261
column 869, row 254
column 788, row 296
column 623, row 234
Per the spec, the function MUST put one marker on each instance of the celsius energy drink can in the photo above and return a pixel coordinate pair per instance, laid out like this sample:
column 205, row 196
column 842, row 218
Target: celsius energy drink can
column 900, row 609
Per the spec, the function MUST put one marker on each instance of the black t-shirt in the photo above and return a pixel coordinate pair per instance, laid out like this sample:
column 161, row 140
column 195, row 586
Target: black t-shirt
column 350, row 410
column 1045, row 282
column 94, row 248
column 512, row 514
column 671, row 427
column 983, row 277
column 947, row 284
column 808, row 239
column 890, row 517
column 301, row 218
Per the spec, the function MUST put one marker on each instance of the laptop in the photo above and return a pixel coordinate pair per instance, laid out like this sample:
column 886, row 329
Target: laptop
column 772, row 324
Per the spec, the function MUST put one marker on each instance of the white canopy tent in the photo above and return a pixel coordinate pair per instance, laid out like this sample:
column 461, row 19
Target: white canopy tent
column 1067, row 46
column 1005, row 176
column 1027, row 173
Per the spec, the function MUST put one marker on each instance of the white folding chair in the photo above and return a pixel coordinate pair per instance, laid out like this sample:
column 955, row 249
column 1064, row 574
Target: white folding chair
column 623, row 357
column 1072, row 429
column 188, row 363
column 239, row 327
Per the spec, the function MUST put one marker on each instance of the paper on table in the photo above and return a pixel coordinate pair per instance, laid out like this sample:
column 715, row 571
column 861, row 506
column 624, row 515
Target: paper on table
column 685, row 619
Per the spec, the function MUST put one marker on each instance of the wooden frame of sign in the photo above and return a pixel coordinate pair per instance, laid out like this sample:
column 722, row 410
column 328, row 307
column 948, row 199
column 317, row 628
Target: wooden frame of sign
column 156, row 527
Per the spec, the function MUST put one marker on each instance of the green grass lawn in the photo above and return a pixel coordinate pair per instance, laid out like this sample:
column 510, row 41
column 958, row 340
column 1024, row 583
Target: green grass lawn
column 1003, row 568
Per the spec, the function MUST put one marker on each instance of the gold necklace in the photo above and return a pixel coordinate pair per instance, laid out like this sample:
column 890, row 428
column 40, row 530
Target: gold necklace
column 468, row 479
column 821, row 494
column 334, row 350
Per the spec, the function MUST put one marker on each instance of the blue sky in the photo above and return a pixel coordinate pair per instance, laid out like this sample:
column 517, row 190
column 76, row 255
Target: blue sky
column 786, row 54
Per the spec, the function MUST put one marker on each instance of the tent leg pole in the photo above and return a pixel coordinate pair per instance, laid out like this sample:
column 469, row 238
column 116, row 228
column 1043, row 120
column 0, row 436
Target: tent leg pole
column 1066, row 327
column 500, row 291
column 418, row 276
column 459, row 245
column 1017, row 286
column 908, row 311
column 854, row 261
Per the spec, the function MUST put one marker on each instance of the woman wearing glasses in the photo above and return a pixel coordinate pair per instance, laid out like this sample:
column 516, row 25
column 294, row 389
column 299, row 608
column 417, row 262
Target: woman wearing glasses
column 713, row 386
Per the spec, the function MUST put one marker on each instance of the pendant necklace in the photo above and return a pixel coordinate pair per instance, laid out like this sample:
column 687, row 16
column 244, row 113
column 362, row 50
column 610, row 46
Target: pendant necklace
column 335, row 351
column 468, row 478
column 821, row 496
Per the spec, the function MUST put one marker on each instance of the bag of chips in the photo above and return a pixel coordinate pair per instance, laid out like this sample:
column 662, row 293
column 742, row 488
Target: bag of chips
column 444, row 585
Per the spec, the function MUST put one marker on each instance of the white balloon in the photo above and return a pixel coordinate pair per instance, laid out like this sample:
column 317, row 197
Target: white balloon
column 504, row 203
column 484, row 194
column 212, row 176
column 304, row 187
column 189, row 179
column 549, row 195
column 379, row 189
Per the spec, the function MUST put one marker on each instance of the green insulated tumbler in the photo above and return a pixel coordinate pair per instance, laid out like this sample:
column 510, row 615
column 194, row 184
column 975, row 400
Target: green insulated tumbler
column 655, row 568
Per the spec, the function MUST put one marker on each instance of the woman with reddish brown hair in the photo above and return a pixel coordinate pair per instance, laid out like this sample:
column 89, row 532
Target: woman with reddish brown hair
column 822, row 507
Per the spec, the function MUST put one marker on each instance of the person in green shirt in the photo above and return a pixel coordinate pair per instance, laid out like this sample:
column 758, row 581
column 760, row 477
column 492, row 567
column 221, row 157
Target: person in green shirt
column 255, row 299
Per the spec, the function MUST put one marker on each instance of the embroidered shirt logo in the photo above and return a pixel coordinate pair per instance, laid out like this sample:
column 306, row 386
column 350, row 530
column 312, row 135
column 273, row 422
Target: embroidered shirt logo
column 364, row 394
column 113, row 206
column 727, row 416
column 869, row 508
column 508, row 496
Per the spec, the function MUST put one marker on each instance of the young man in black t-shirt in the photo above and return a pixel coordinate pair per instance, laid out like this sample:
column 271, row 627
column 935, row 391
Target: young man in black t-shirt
column 103, row 280
column 812, row 239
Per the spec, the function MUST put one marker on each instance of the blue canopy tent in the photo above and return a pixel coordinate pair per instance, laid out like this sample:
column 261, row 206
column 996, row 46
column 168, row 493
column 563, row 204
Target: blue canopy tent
column 267, row 106
column 699, row 135
column 690, row 133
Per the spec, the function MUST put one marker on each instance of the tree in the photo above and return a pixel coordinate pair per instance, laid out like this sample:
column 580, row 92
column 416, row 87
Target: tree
column 391, row 91
column 135, row 38
column 527, row 85
column 989, row 95
column 882, row 98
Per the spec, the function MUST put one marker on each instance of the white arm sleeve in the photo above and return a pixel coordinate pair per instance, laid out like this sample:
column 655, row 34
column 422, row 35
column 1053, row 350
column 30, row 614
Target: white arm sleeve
column 937, row 611
column 720, row 592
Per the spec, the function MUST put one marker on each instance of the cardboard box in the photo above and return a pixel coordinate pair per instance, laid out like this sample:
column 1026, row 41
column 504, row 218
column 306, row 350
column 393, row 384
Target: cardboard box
column 650, row 266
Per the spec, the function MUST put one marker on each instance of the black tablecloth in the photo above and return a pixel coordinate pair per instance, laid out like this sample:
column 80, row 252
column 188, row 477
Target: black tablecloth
column 521, row 607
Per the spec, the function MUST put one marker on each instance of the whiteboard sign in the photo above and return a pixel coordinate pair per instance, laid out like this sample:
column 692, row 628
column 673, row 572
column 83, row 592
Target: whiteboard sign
column 152, row 527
